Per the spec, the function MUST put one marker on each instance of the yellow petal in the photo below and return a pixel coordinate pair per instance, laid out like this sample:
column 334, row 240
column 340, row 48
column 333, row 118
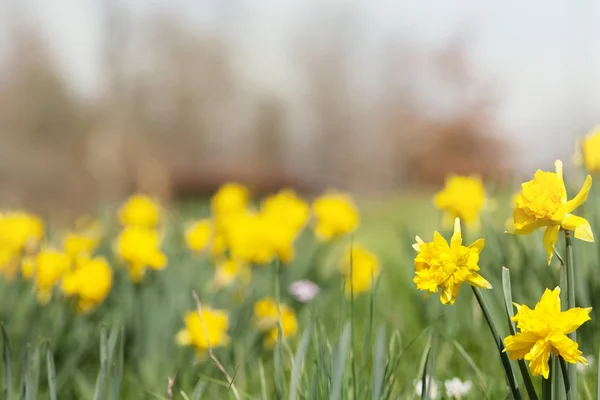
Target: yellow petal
column 538, row 358
column 559, row 171
column 550, row 239
column 572, row 319
column 183, row 338
column 567, row 348
column 520, row 344
column 479, row 281
column 581, row 196
column 477, row 245
column 580, row 226
column 456, row 240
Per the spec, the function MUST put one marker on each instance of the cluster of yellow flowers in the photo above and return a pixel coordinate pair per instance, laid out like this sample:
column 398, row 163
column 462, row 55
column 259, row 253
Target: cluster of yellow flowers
column 73, row 268
column 20, row 233
column 139, row 243
column 239, row 235
column 541, row 203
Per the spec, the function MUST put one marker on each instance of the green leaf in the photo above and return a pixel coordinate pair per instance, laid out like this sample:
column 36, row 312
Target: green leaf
column 379, row 364
column 101, row 380
column 339, row 363
column 7, row 389
column 51, row 374
column 298, row 360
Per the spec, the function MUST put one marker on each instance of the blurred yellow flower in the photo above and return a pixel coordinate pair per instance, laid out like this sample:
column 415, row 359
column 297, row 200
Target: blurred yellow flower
column 266, row 315
column 231, row 197
column 90, row 282
column 18, row 231
column 228, row 271
column 591, row 150
column 336, row 215
column 47, row 267
column 199, row 235
column 439, row 265
column 287, row 208
column 543, row 203
column 248, row 238
column 140, row 248
column 141, row 211
column 77, row 244
column 211, row 330
column 361, row 268
column 543, row 331
column 462, row 197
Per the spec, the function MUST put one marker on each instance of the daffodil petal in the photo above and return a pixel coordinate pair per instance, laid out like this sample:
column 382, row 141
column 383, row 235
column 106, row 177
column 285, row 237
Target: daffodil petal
column 538, row 358
column 581, row 196
column 574, row 318
column 520, row 344
column 477, row 245
column 580, row 226
column 479, row 281
column 567, row 348
column 550, row 239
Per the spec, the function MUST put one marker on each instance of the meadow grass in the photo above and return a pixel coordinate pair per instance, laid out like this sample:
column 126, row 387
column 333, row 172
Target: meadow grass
column 373, row 345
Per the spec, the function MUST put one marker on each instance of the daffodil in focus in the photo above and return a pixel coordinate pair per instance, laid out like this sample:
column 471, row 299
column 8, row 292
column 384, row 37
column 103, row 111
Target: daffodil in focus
column 462, row 197
column 199, row 235
column 210, row 331
column 18, row 231
column 360, row 268
column 140, row 249
column 229, row 271
column 141, row 211
column 543, row 203
column 591, row 150
column 47, row 267
column 543, row 331
column 230, row 198
column 267, row 313
column 90, row 282
column 439, row 265
column 336, row 215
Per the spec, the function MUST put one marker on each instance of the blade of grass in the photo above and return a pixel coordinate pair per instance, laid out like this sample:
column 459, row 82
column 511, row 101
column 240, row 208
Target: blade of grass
column 263, row 381
column 199, row 390
column 508, row 303
column 565, row 373
column 298, row 360
column 598, row 379
column 424, row 374
column 117, row 370
column 547, row 383
column 33, row 374
column 101, row 380
column 339, row 363
column 7, row 390
column 51, row 374
column 378, row 364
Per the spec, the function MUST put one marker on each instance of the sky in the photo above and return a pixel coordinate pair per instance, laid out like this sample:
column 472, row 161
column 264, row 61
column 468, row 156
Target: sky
column 542, row 55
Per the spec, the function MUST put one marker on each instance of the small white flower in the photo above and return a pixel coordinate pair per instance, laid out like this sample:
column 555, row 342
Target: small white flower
column 457, row 388
column 585, row 368
column 432, row 388
column 304, row 290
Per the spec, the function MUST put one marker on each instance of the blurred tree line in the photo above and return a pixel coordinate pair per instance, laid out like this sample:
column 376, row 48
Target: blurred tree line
column 175, row 118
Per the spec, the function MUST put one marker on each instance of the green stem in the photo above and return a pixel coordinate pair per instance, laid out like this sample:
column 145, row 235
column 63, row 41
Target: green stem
column 571, row 304
column 547, row 383
column 510, row 376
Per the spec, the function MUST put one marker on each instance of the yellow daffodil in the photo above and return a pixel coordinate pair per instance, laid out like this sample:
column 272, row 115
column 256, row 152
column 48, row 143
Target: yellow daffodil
column 211, row 330
column 141, row 211
column 462, row 197
column 266, row 315
column 439, row 265
column 140, row 248
column 336, row 215
column 360, row 268
column 287, row 208
column 90, row 282
column 543, row 203
column 543, row 331
column 248, row 239
column 230, row 198
column 199, row 235
column 18, row 231
column 591, row 150
column 228, row 271
column 47, row 267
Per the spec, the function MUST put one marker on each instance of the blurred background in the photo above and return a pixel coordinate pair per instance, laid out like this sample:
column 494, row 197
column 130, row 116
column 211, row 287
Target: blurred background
column 101, row 98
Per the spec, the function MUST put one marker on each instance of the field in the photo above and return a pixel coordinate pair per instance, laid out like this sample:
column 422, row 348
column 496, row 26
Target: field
column 372, row 342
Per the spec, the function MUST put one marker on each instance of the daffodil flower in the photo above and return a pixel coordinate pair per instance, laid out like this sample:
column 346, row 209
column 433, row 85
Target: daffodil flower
column 543, row 203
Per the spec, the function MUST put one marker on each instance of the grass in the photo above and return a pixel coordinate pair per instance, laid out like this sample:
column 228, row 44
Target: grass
column 376, row 345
